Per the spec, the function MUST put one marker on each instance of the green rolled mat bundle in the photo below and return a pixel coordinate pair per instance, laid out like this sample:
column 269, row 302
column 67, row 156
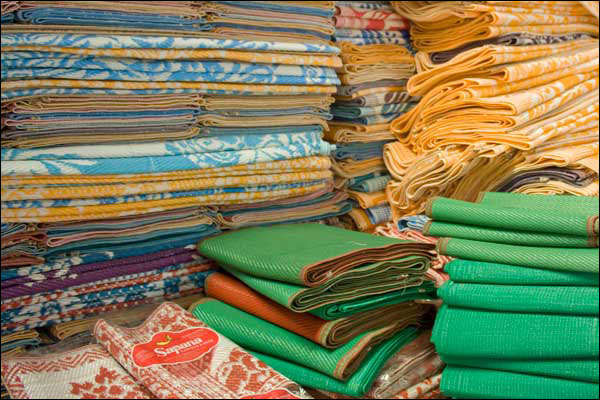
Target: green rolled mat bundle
column 385, row 277
column 309, row 254
column 568, row 259
column 569, row 300
column 475, row 383
column 468, row 271
column 574, row 220
column 472, row 333
column 579, row 370
column 263, row 337
column 485, row 234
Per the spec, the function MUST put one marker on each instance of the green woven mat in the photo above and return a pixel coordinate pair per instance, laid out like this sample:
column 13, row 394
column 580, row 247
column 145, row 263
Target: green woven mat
column 445, row 229
column 578, row 260
column 339, row 310
column 536, row 220
column 472, row 383
column 570, row 204
column 258, row 335
column 573, row 300
column 578, row 370
column 284, row 252
column 479, row 334
column 357, row 283
column 467, row 271
column 360, row 383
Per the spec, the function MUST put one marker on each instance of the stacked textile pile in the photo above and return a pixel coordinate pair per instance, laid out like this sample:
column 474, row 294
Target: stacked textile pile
column 171, row 355
column 520, row 313
column 290, row 21
column 324, row 306
column 129, row 133
column 509, row 102
column 377, row 63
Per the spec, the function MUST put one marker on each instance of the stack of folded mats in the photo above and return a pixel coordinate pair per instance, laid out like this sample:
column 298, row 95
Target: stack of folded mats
column 520, row 313
column 324, row 306
column 377, row 63
column 171, row 355
column 509, row 103
column 124, row 144
column 289, row 21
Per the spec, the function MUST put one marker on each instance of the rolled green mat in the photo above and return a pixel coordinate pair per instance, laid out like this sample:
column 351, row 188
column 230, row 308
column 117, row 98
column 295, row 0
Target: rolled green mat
column 577, row 370
column 339, row 310
column 467, row 271
column 484, row 234
column 473, row 383
column 519, row 219
column 578, row 260
column 570, row 204
column 304, row 254
column 359, row 383
column 460, row 332
column 361, row 283
column 258, row 335
column 567, row 300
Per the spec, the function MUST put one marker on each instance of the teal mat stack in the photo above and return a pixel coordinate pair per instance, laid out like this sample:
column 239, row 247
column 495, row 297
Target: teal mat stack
column 520, row 312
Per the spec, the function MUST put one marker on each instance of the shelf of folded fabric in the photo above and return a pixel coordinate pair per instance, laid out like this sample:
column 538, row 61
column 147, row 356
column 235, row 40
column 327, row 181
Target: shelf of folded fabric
column 377, row 62
column 129, row 132
column 331, row 309
column 494, row 115
column 537, row 257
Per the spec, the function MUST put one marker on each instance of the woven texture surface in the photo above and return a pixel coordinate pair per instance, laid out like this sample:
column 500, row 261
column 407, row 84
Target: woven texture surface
column 503, row 335
column 579, row 370
column 308, row 254
column 359, row 282
column 470, row 383
column 578, row 204
column 467, row 271
column 578, row 260
column 330, row 334
column 255, row 334
column 556, row 221
column 444, row 229
column 359, row 383
column 567, row 300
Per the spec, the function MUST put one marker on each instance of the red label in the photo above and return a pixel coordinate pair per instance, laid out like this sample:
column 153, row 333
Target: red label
column 175, row 347
column 274, row 394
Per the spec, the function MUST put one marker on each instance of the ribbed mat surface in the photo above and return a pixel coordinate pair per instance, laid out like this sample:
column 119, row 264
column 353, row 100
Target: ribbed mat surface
column 555, row 221
column 339, row 310
column 467, row 271
column 473, row 333
column 255, row 334
column 359, row 383
column 566, row 204
column 330, row 334
column 304, row 254
column 470, row 383
column 484, row 234
column 575, row 300
column 360, row 282
column 579, row 370
column 578, row 260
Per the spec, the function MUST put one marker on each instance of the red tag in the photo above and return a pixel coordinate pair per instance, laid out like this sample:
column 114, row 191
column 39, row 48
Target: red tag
column 274, row 394
column 175, row 347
